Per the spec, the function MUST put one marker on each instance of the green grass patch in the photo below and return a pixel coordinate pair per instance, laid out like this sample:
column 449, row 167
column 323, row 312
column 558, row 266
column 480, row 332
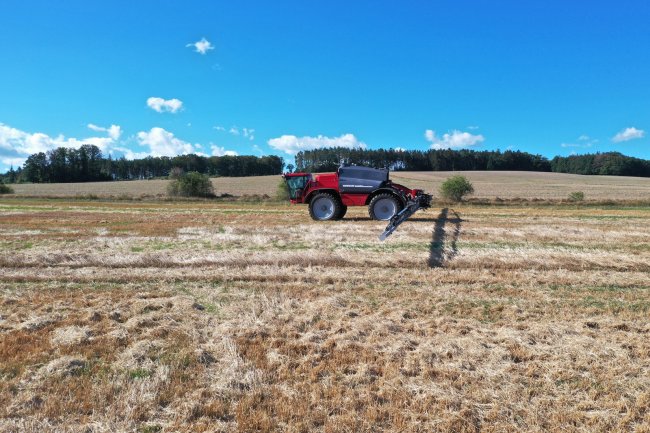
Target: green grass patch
column 150, row 428
column 614, row 306
column 157, row 245
column 382, row 247
column 139, row 373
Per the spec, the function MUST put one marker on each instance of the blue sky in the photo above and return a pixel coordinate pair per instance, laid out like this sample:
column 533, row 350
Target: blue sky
column 549, row 77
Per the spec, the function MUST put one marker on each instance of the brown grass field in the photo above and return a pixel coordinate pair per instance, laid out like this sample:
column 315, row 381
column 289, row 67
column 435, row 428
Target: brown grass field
column 502, row 184
column 160, row 316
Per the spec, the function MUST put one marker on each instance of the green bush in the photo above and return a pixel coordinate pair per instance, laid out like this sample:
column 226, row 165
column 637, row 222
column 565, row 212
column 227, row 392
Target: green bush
column 176, row 172
column 192, row 184
column 6, row 189
column 282, row 192
column 576, row 196
column 455, row 188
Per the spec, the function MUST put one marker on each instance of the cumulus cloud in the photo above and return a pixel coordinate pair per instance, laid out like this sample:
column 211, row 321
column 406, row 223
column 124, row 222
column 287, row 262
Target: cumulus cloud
column 584, row 141
column 12, row 162
column 202, row 46
column 291, row 144
column 628, row 134
column 26, row 143
column 164, row 105
column 220, row 151
column 17, row 145
column 248, row 133
column 454, row 140
column 164, row 143
column 114, row 131
column 130, row 154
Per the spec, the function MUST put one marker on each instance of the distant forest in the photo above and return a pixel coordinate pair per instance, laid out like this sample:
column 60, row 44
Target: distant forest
column 610, row 163
column 87, row 164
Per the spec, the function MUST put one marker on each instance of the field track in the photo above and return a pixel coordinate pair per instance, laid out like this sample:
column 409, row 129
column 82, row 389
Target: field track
column 506, row 185
column 199, row 316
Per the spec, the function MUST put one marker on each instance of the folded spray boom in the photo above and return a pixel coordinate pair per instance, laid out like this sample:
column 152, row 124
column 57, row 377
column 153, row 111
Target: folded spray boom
column 421, row 201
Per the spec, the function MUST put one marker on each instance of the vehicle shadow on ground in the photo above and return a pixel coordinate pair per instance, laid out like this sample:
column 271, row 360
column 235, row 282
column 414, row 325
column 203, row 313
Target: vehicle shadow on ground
column 443, row 247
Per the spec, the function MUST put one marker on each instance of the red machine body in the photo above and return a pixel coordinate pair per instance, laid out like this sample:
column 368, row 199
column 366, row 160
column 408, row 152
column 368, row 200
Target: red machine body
column 330, row 182
column 329, row 194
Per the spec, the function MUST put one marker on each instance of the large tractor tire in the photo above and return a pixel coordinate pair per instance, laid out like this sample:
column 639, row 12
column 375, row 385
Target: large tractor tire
column 324, row 207
column 383, row 206
column 342, row 212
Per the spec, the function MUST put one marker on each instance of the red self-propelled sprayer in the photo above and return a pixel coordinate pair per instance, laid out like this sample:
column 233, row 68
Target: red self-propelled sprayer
column 329, row 195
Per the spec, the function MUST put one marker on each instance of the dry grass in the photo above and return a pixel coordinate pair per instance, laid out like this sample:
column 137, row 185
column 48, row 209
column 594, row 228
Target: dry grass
column 239, row 186
column 505, row 185
column 122, row 316
column 517, row 184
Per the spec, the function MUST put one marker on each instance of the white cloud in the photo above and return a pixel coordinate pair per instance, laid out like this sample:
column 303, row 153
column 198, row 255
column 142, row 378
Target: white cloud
column 13, row 162
column 114, row 131
column 16, row 145
column 26, row 143
column 236, row 131
column 10, row 137
column 248, row 133
column 291, row 144
column 400, row 149
column 584, row 141
column 628, row 134
column 220, row 151
column 164, row 105
column 454, row 140
column 130, row 154
column 202, row 46
column 163, row 143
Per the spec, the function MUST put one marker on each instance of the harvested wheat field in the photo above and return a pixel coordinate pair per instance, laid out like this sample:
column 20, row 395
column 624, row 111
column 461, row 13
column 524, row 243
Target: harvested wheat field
column 204, row 317
column 488, row 184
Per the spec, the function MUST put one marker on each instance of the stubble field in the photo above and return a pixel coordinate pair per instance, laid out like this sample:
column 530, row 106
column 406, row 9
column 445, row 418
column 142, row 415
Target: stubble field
column 488, row 184
column 202, row 316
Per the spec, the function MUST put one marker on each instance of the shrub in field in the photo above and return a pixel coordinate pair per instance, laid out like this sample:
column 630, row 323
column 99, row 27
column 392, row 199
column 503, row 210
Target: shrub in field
column 192, row 184
column 282, row 192
column 176, row 172
column 576, row 196
column 6, row 189
column 456, row 187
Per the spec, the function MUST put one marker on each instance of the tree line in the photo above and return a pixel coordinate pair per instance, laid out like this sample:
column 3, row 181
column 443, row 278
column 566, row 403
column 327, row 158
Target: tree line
column 610, row 163
column 87, row 164
column 418, row 160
